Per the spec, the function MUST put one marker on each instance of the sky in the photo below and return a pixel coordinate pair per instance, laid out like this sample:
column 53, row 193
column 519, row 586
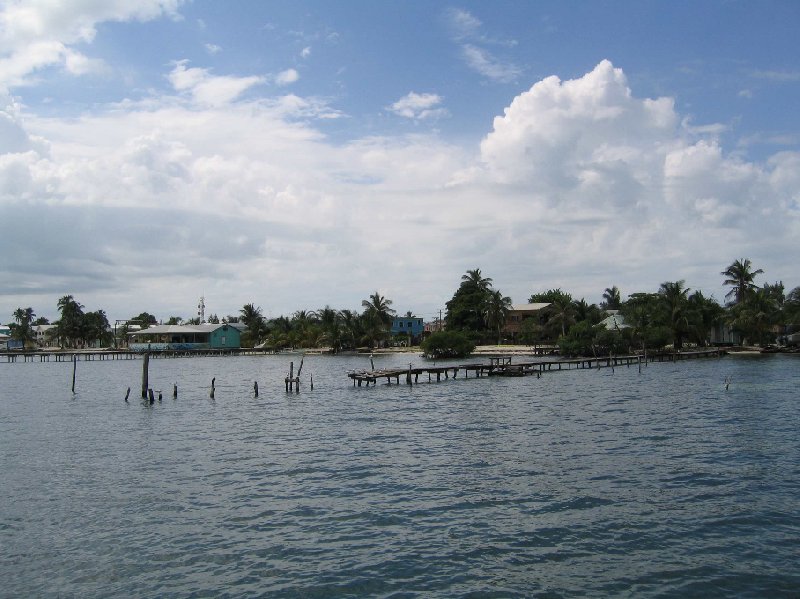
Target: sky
column 297, row 154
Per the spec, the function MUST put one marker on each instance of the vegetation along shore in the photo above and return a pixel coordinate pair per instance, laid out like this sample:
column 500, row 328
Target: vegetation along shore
column 477, row 316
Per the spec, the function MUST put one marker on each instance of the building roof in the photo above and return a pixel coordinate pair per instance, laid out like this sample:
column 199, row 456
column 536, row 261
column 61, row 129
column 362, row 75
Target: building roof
column 529, row 307
column 165, row 329
column 615, row 322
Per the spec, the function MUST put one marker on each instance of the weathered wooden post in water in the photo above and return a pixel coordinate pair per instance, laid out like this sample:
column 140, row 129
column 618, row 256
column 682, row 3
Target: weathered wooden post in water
column 74, row 368
column 292, row 380
column 145, row 373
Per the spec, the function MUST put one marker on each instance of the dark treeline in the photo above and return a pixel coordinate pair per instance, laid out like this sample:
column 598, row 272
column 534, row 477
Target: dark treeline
column 672, row 316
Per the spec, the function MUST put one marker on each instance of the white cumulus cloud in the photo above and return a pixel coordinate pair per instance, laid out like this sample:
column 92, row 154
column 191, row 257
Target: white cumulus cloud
column 208, row 89
column 418, row 106
column 579, row 184
column 287, row 77
column 38, row 33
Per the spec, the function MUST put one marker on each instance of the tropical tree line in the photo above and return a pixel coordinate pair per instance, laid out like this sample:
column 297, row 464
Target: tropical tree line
column 477, row 309
column 326, row 327
column 674, row 315
column 74, row 328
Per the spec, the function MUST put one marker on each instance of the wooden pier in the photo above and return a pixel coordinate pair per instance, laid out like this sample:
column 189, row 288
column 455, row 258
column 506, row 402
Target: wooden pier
column 83, row 355
column 502, row 366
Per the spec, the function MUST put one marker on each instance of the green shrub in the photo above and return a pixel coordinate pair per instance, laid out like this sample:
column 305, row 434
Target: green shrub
column 448, row 344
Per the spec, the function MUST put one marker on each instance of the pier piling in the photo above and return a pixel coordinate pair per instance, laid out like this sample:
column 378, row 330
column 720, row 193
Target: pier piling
column 145, row 374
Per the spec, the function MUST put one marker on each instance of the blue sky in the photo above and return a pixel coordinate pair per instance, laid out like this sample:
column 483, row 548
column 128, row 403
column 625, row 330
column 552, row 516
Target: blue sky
column 297, row 154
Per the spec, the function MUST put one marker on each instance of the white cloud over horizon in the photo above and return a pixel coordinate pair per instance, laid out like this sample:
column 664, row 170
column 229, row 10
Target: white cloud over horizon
column 579, row 184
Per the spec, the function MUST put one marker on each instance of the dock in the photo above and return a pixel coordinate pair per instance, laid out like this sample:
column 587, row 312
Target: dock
column 68, row 355
column 503, row 366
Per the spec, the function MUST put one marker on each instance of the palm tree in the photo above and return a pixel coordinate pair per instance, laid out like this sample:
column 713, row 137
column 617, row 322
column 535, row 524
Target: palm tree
column 331, row 331
column 377, row 317
column 379, row 308
column 466, row 310
column 611, row 298
column 254, row 321
column 497, row 309
column 675, row 304
column 587, row 311
column 95, row 327
column 352, row 329
column 21, row 330
column 740, row 278
column 639, row 311
column 705, row 314
column 474, row 278
column 562, row 312
column 755, row 316
column 69, row 325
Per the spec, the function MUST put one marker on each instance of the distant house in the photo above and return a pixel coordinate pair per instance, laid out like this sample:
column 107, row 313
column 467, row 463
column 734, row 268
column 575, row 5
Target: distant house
column 434, row 326
column 519, row 313
column 723, row 334
column 614, row 321
column 185, row 337
column 40, row 333
column 406, row 325
column 4, row 341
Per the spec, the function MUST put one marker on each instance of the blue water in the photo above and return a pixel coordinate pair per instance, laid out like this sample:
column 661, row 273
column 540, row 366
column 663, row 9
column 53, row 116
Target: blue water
column 581, row 483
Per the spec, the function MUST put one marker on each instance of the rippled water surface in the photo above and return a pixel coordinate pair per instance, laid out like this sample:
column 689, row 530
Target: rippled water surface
column 593, row 483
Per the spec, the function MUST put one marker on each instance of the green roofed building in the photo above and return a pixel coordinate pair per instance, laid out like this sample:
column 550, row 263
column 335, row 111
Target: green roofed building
column 185, row 337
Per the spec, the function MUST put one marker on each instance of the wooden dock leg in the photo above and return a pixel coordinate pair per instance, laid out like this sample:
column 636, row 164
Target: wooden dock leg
column 145, row 367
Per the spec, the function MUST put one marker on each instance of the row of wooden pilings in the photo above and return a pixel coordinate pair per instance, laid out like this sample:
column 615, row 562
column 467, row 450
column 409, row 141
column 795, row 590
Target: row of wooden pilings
column 292, row 381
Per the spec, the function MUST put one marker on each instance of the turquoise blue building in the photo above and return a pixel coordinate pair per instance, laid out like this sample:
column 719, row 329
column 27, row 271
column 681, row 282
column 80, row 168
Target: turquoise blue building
column 404, row 325
column 186, row 337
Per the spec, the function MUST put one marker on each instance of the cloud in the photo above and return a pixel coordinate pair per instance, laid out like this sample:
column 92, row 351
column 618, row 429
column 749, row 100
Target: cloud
column 466, row 31
column 483, row 62
column 287, row 77
column 35, row 35
column 305, row 52
column 207, row 89
column 578, row 184
column 777, row 76
column 418, row 106
column 462, row 23
column 561, row 133
column 213, row 49
column 76, row 63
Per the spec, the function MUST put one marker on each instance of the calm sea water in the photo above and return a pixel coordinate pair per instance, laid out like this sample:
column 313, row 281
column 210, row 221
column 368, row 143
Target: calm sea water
column 581, row 483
